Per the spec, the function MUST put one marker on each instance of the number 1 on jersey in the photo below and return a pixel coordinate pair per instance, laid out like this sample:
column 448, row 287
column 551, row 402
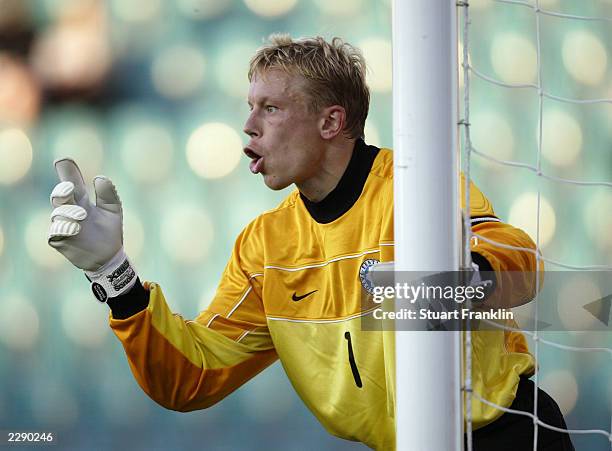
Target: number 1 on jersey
column 354, row 369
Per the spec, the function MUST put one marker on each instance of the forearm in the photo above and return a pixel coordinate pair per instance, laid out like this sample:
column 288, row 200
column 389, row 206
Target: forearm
column 180, row 364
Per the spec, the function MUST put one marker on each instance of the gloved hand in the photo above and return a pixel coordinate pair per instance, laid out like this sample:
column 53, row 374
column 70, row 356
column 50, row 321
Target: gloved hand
column 90, row 236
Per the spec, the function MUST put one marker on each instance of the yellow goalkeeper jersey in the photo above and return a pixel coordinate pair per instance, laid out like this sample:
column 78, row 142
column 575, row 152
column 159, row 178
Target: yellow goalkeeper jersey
column 292, row 291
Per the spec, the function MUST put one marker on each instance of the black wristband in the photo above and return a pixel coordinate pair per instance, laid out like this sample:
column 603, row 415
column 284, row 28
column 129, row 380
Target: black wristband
column 130, row 303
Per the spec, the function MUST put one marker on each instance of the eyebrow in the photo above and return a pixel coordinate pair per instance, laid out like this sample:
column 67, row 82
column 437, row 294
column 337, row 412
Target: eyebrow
column 263, row 100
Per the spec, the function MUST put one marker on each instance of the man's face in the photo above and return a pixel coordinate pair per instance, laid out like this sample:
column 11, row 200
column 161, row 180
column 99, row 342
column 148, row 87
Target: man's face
column 285, row 144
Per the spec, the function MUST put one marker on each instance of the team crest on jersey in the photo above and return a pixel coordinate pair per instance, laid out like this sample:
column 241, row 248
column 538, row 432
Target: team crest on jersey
column 363, row 271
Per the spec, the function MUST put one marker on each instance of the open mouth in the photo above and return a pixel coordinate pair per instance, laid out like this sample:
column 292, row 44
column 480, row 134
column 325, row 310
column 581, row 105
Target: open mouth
column 256, row 160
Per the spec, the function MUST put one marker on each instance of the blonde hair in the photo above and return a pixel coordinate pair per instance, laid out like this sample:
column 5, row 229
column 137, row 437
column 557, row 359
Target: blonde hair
column 334, row 73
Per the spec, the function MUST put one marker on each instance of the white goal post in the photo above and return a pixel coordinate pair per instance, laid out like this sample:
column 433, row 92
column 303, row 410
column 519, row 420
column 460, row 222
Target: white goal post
column 427, row 216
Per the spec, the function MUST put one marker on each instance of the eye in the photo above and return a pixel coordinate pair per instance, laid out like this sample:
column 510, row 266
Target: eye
column 271, row 109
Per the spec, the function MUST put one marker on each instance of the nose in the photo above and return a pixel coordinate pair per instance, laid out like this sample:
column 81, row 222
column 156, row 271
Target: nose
column 250, row 127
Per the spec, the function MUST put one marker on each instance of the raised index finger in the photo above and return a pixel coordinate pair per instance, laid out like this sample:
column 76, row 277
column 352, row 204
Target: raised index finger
column 68, row 171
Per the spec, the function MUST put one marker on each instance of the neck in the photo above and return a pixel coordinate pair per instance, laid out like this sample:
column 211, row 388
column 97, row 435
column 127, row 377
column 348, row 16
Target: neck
column 332, row 165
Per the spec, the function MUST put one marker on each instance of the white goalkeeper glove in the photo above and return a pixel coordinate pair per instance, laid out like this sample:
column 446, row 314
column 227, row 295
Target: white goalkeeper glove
column 90, row 236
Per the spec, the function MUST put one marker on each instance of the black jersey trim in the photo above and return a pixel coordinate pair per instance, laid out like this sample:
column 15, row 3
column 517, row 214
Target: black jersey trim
column 348, row 189
column 480, row 219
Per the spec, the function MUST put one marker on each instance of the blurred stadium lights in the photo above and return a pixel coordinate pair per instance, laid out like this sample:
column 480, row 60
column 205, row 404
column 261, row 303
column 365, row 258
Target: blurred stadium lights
column 232, row 65
column 523, row 215
column 134, row 235
column 203, row 9
column 372, row 135
column 598, row 219
column 80, row 138
column 138, row 11
column 73, row 55
column 19, row 92
column 492, row 134
column 561, row 137
column 340, row 8
column 84, row 325
column 16, row 16
column 15, row 154
column 270, row 9
column 147, row 150
column 214, row 150
column 186, row 233
column 59, row 10
column 576, row 291
column 514, row 58
column 562, row 386
column 178, row 71
column 584, row 57
column 152, row 93
column 19, row 322
column 377, row 53
column 35, row 240
column 478, row 5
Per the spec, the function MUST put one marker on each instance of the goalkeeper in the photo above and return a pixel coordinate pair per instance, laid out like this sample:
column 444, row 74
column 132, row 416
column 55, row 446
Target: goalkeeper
column 292, row 287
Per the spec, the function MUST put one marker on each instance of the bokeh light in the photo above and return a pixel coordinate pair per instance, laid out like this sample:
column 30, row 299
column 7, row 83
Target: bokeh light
column 270, row 9
column 73, row 55
column 378, row 54
column 372, row 135
column 578, row 290
column 514, row 58
column 232, row 66
column 480, row 4
column 207, row 296
column 492, row 134
column 35, row 238
column 584, row 57
column 147, row 149
column 342, row 8
column 203, row 9
column 83, row 142
column 137, row 11
column 64, row 9
column 133, row 234
column 19, row 91
column 561, row 138
column 214, row 150
column 523, row 214
column 84, row 320
column 562, row 386
column 15, row 154
column 598, row 219
column 19, row 322
column 178, row 71
column 186, row 233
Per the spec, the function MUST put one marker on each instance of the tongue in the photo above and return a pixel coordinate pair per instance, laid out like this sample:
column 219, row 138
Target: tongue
column 256, row 165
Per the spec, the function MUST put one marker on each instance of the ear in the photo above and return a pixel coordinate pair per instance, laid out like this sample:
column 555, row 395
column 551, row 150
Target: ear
column 333, row 119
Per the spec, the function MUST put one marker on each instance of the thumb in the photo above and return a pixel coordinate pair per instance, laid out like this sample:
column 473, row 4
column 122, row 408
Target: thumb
column 68, row 171
column 106, row 194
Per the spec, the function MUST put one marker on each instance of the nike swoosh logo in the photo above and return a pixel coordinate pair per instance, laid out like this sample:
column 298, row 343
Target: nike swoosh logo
column 296, row 298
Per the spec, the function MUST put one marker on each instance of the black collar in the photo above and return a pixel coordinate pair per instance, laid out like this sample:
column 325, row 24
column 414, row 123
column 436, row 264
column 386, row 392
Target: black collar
column 348, row 189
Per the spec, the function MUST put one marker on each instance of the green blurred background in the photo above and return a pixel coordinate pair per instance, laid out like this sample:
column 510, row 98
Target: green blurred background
column 152, row 93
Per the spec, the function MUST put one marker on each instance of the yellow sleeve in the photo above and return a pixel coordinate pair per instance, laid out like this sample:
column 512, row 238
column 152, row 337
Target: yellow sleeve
column 186, row 365
column 515, row 269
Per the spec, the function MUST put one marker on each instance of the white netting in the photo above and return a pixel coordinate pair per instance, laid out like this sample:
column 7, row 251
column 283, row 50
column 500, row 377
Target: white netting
column 467, row 154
